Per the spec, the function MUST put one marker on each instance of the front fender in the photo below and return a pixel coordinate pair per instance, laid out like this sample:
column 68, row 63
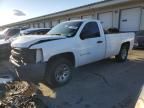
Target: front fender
column 48, row 55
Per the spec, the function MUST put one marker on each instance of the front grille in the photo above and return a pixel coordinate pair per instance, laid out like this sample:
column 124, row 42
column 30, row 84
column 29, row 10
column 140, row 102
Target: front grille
column 21, row 56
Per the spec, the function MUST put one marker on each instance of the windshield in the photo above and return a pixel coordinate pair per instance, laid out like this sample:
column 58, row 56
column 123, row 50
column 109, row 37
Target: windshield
column 12, row 32
column 68, row 29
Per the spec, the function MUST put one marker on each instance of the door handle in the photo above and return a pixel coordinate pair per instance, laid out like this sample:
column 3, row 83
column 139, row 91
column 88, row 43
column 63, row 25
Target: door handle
column 99, row 42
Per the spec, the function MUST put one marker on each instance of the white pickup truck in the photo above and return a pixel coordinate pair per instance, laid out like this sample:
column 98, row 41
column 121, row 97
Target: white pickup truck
column 69, row 44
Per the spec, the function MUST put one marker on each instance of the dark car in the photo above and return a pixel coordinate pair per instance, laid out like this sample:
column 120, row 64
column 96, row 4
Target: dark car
column 6, row 37
column 139, row 39
column 9, row 33
column 35, row 31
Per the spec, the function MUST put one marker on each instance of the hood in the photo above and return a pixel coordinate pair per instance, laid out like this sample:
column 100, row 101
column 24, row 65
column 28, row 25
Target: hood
column 29, row 40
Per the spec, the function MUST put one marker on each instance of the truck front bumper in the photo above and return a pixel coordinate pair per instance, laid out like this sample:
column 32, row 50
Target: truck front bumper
column 30, row 72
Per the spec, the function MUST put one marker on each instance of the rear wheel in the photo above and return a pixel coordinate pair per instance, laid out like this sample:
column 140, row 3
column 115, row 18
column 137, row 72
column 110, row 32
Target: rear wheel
column 58, row 72
column 123, row 54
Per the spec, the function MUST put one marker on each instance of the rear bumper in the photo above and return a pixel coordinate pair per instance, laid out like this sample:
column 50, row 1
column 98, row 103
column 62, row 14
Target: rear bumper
column 30, row 72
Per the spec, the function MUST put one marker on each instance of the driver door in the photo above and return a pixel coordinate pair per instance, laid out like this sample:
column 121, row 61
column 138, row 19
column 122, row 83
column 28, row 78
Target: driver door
column 92, row 44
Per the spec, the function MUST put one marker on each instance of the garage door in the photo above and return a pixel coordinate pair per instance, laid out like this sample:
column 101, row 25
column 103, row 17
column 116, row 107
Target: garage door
column 41, row 25
column 130, row 19
column 54, row 23
column 106, row 19
column 47, row 24
column 36, row 25
column 31, row 25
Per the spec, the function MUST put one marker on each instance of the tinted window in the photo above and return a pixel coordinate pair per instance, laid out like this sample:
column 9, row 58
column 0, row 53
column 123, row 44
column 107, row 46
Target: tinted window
column 90, row 30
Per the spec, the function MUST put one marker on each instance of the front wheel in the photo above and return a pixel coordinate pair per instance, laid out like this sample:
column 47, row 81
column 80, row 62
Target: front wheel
column 123, row 54
column 59, row 72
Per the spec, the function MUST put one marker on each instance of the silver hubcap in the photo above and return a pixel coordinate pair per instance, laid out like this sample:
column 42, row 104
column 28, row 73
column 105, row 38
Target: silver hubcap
column 62, row 73
column 124, row 53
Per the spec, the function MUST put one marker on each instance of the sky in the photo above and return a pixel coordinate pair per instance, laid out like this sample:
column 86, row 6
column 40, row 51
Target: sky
column 18, row 10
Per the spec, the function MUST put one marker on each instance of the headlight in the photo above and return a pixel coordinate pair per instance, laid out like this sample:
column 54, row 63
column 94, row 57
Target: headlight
column 39, row 56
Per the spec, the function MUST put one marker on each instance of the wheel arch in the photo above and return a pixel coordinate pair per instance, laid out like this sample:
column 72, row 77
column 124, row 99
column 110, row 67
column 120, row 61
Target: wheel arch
column 127, row 43
column 68, row 55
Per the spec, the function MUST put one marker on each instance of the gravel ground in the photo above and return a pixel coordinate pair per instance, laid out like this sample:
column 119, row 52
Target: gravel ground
column 105, row 84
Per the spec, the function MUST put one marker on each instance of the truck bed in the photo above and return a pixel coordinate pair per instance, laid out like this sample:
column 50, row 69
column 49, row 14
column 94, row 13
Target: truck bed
column 114, row 41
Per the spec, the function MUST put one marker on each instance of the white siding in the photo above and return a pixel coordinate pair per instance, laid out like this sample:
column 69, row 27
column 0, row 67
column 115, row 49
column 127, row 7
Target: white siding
column 31, row 25
column 47, row 24
column 130, row 19
column 142, row 20
column 54, row 23
column 95, row 16
column 87, row 17
column 75, row 18
column 116, row 18
column 63, row 20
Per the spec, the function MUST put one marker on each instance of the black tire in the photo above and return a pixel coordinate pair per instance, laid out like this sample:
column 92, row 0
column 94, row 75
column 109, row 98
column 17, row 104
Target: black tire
column 123, row 54
column 58, row 72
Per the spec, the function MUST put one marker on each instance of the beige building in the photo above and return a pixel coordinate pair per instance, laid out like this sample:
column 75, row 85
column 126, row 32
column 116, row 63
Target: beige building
column 126, row 15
